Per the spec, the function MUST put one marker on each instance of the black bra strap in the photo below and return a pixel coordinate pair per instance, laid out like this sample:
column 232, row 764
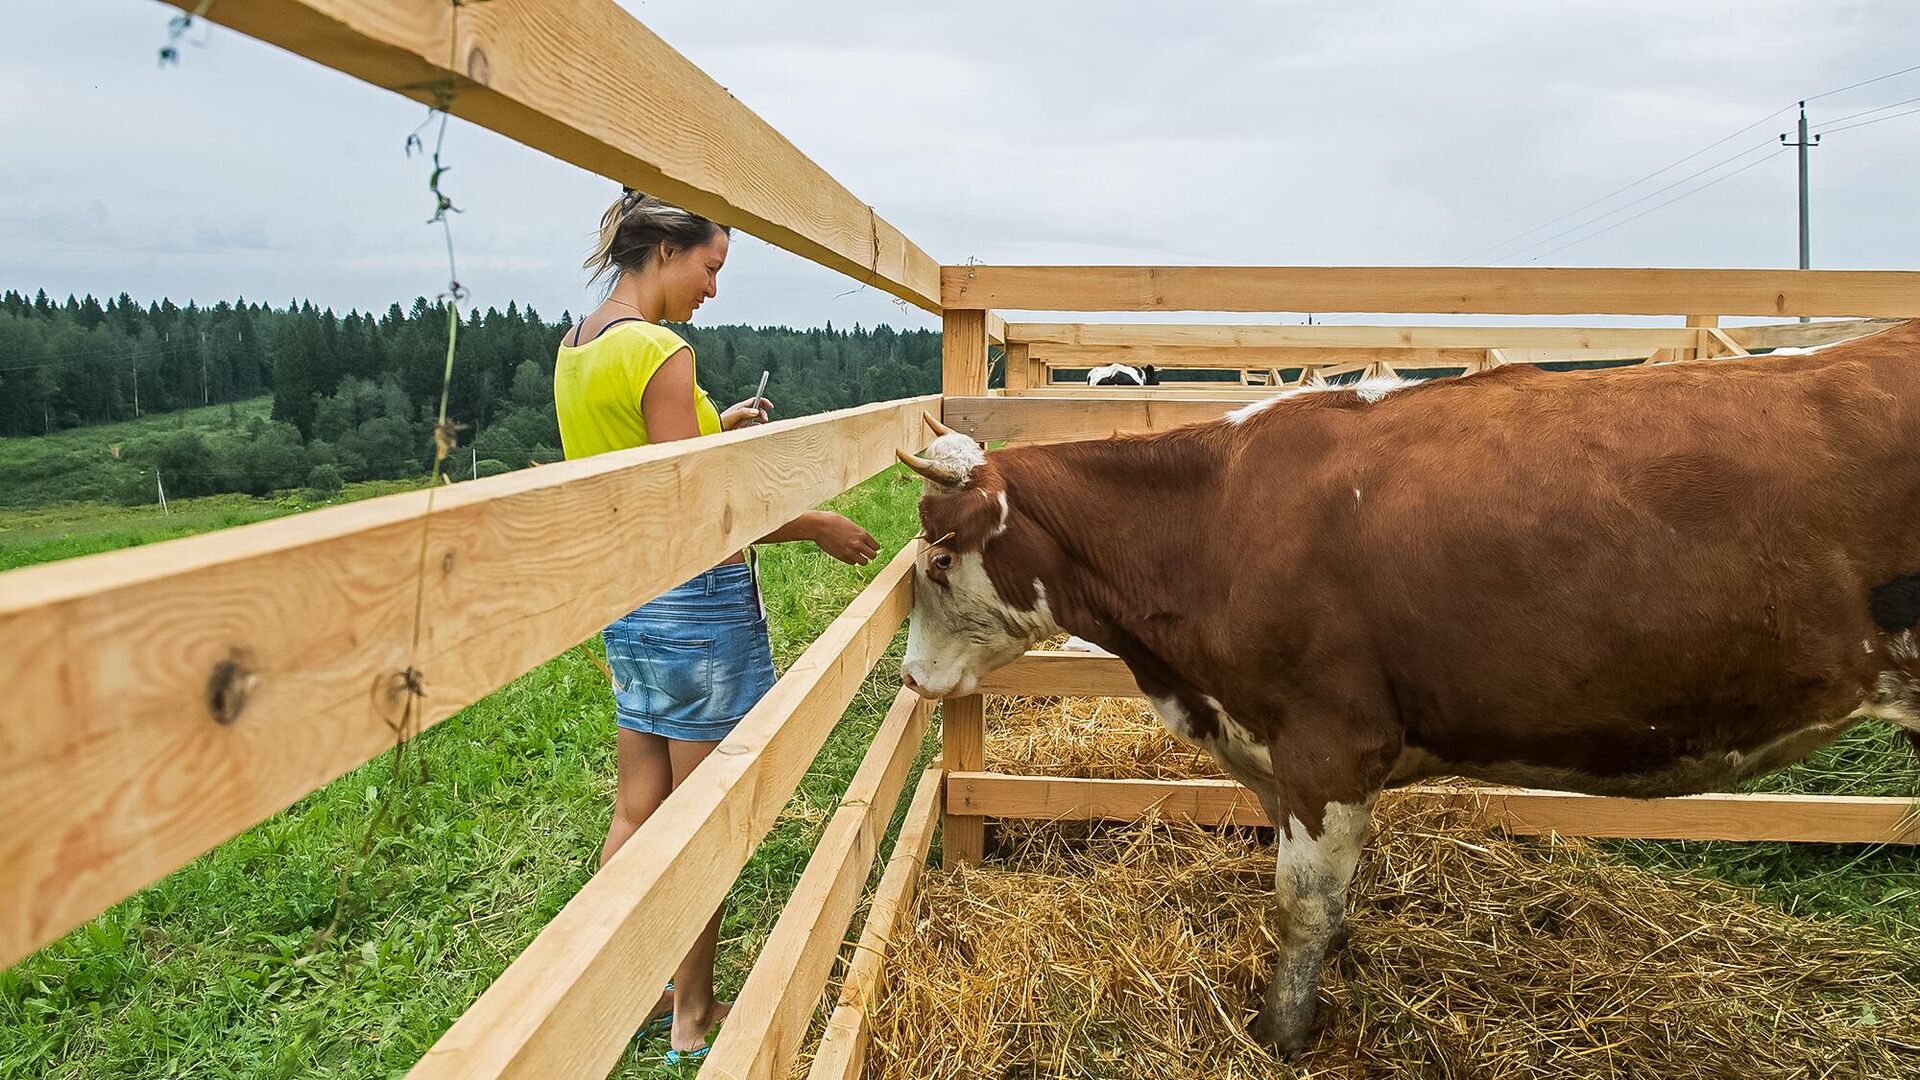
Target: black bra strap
column 579, row 326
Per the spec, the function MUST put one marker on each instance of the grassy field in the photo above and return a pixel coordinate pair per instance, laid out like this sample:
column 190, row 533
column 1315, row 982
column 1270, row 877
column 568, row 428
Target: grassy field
column 227, row 968
column 81, row 465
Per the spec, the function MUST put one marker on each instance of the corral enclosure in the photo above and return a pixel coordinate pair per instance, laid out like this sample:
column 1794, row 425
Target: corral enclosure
column 253, row 666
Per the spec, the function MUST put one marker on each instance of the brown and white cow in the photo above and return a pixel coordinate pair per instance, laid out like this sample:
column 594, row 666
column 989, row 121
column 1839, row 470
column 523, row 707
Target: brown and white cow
column 1644, row 582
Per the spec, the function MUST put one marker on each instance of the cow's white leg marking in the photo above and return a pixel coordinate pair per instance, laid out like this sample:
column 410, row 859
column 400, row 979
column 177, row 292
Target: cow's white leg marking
column 1311, row 877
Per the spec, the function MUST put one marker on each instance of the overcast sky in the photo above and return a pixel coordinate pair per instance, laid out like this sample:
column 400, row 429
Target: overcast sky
column 1353, row 132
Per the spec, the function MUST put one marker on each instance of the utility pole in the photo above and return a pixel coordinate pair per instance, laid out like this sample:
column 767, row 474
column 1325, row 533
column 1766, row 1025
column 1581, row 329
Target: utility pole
column 1805, row 144
column 136, row 383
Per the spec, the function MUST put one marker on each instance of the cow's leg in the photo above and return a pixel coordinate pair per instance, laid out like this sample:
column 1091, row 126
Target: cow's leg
column 1322, row 822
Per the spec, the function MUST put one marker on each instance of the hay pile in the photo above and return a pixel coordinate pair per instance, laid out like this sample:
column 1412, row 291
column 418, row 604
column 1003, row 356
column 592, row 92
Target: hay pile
column 1100, row 738
column 1137, row 950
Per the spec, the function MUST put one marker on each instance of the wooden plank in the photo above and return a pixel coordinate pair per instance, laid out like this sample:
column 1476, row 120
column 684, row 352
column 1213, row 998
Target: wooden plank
column 585, row 82
column 1208, row 357
column 1827, row 819
column 1219, row 391
column 1432, row 290
column 769, row 1019
column 843, row 1047
column 963, row 746
column 1724, row 345
column 1060, row 673
column 116, row 771
column 1019, row 369
column 963, row 353
column 1029, row 419
column 1322, row 335
column 996, row 329
column 569, row 1004
column 1806, row 335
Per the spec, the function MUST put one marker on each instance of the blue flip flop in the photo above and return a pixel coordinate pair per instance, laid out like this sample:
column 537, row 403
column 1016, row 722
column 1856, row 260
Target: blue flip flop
column 675, row 1057
column 663, row 1022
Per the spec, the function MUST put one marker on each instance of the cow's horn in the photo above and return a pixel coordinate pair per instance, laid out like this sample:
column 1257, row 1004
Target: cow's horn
column 938, row 427
column 932, row 470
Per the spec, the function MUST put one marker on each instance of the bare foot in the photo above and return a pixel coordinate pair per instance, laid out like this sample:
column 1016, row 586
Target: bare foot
column 690, row 1027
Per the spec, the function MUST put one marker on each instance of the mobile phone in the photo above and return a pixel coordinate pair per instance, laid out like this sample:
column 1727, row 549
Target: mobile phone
column 758, row 395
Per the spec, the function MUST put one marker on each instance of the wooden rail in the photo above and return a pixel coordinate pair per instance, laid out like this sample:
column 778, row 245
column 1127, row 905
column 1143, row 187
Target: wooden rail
column 569, row 1004
column 1633, row 339
column 1432, row 290
column 166, row 697
column 763, row 1034
column 1096, row 415
column 585, row 82
column 843, row 1046
column 1830, row 819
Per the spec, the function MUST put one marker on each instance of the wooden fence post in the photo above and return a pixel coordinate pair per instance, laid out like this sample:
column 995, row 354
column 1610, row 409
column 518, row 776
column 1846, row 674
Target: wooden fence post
column 963, row 373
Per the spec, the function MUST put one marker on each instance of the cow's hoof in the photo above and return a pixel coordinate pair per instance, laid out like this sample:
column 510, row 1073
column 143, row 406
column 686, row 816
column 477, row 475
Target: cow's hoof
column 1285, row 1031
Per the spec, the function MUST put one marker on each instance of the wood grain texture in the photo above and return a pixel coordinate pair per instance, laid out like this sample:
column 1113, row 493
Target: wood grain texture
column 1061, row 673
column 1829, row 819
column 1209, row 357
column 1432, row 290
column 963, row 353
column 116, row 772
column 569, row 1004
column 1806, row 335
column 1209, row 335
column 963, row 747
column 1113, row 411
column 585, row 82
column 843, row 1046
column 762, row 1035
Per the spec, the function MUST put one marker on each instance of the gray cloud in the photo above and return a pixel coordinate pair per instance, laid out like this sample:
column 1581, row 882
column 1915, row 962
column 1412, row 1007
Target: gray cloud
column 1373, row 132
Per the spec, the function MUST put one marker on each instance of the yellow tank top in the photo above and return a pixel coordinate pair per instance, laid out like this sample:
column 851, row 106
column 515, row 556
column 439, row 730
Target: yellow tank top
column 597, row 387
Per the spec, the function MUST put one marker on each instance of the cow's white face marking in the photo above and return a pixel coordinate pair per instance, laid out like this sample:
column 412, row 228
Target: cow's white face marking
column 962, row 628
column 954, row 457
column 1370, row 390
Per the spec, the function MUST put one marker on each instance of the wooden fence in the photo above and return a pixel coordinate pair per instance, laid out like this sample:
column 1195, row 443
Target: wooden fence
column 168, row 697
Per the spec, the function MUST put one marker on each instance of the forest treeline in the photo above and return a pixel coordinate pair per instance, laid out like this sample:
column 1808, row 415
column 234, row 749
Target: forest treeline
column 354, row 396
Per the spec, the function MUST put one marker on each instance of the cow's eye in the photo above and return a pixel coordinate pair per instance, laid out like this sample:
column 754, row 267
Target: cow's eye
column 942, row 561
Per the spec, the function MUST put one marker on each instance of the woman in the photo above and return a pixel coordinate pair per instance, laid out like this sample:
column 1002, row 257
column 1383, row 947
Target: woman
column 689, row 664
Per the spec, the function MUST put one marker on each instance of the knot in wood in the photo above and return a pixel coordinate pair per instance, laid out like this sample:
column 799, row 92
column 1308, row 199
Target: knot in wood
column 478, row 68
column 229, row 686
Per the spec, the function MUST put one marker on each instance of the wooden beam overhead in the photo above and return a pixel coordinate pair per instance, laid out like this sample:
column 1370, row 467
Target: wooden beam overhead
column 1321, row 336
column 1432, row 290
column 584, row 81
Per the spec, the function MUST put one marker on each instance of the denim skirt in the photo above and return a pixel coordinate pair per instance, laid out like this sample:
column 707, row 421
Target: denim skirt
column 691, row 662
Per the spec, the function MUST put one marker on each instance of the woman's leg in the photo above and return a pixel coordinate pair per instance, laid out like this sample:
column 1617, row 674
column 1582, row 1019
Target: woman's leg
column 694, row 1009
column 646, row 777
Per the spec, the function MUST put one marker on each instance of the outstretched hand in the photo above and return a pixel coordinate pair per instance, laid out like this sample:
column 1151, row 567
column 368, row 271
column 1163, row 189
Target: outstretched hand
column 750, row 411
column 845, row 540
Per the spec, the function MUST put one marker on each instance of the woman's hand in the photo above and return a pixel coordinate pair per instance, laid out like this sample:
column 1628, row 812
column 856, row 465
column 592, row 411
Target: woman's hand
column 750, row 411
column 844, row 539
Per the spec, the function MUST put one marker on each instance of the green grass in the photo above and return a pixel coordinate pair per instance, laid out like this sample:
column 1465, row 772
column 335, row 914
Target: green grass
column 223, row 969
column 69, row 530
column 80, row 465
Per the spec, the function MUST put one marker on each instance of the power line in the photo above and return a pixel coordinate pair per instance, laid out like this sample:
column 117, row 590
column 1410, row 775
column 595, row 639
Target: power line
column 1864, row 82
column 1869, row 112
column 1670, row 166
column 1630, row 205
column 1625, row 187
column 1867, row 123
column 1669, row 202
